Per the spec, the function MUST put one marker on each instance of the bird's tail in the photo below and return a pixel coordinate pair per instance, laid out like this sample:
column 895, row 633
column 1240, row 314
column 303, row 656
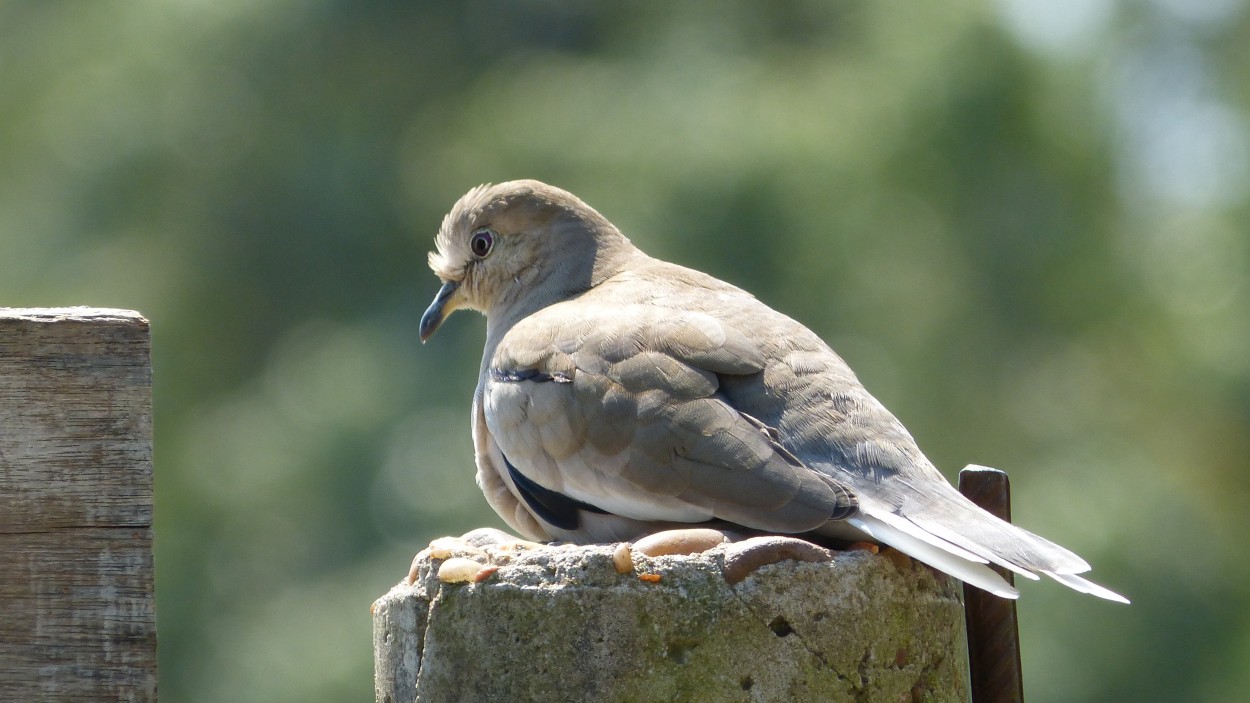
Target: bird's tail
column 953, row 535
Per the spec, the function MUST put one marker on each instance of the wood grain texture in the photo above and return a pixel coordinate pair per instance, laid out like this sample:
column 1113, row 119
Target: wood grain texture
column 77, row 615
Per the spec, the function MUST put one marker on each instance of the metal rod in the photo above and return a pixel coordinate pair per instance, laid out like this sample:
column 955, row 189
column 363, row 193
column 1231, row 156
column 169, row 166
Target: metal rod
column 993, row 631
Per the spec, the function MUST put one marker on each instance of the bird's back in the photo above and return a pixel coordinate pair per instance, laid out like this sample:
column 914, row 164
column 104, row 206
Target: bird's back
column 822, row 413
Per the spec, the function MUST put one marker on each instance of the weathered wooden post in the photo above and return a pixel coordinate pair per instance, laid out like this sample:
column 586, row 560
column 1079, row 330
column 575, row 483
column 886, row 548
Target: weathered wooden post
column 77, row 616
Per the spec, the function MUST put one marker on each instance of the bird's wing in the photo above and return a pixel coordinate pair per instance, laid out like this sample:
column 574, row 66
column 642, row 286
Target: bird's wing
column 616, row 409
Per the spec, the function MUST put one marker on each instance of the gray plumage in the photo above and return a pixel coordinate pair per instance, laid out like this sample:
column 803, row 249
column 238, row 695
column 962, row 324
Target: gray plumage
column 620, row 394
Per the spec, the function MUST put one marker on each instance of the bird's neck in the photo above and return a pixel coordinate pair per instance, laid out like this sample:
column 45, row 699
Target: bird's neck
column 527, row 295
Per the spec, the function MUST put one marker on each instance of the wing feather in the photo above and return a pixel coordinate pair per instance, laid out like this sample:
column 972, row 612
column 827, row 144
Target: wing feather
column 645, row 383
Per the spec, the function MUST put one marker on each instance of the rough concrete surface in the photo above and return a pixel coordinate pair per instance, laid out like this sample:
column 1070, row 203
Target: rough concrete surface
column 563, row 623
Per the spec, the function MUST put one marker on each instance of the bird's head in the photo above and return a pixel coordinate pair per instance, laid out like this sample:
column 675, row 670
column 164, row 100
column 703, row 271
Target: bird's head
column 517, row 247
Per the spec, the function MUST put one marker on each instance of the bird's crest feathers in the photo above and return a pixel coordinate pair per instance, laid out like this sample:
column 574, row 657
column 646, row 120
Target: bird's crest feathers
column 451, row 252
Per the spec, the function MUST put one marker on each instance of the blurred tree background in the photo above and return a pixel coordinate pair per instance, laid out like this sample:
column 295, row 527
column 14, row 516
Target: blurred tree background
column 1024, row 222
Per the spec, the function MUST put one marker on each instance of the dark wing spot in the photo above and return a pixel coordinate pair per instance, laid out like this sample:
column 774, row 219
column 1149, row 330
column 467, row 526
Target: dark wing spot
column 556, row 508
column 533, row 375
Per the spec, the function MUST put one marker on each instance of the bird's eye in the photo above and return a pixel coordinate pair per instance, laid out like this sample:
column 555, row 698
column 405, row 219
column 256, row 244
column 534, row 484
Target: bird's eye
column 482, row 242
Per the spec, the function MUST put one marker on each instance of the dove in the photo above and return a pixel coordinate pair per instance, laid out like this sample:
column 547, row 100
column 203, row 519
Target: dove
column 620, row 394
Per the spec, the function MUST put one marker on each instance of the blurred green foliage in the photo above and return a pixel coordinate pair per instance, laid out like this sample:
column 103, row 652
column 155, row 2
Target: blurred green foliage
column 1024, row 223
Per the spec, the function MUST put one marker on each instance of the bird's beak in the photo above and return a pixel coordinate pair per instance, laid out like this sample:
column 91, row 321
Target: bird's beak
column 438, row 310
